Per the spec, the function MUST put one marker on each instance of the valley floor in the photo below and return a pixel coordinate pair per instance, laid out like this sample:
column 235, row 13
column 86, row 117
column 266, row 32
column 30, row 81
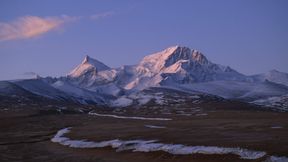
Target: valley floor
column 26, row 135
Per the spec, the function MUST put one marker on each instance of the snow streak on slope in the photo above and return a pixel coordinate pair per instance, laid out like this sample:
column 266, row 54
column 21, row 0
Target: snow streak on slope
column 128, row 117
column 154, row 126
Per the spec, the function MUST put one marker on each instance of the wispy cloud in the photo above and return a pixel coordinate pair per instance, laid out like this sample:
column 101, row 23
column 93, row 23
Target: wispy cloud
column 31, row 26
column 102, row 15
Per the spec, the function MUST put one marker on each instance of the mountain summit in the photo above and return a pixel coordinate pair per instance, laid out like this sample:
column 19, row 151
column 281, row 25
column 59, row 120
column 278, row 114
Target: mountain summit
column 88, row 65
column 171, row 56
column 184, row 65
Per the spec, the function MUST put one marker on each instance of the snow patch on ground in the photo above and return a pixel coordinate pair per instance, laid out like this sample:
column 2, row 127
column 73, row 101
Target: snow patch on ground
column 127, row 117
column 145, row 98
column 141, row 98
column 279, row 102
column 159, row 100
column 154, row 126
column 143, row 101
column 153, row 145
column 276, row 127
column 122, row 102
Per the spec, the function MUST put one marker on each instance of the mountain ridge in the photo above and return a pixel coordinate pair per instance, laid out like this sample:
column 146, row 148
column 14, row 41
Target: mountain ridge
column 175, row 67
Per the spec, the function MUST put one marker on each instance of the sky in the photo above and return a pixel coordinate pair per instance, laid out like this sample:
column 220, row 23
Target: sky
column 51, row 37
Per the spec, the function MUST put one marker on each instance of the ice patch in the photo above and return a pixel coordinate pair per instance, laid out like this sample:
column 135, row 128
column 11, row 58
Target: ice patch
column 127, row 117
column 153, row 145
column 154, row 126
column 276, row 159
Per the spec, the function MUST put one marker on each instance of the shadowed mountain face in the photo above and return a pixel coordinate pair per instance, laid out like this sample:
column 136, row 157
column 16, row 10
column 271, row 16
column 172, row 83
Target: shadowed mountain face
column 177, row 68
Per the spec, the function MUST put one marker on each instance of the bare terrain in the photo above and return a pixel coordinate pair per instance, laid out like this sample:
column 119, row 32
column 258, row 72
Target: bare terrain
column 26, row 132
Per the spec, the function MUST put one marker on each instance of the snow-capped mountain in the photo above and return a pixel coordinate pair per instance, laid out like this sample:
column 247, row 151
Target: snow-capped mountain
column 178, row 68
column 94, row 76
column 182, row 65
column 174, row 65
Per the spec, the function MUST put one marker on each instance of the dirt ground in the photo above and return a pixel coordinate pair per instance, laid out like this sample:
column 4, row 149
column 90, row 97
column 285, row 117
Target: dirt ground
column 25, row 135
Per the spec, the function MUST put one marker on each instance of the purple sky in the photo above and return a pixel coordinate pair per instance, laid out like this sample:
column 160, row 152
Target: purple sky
column 51, row 37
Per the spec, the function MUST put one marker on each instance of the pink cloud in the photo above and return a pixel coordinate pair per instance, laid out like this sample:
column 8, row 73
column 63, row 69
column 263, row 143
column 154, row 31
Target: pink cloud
column 31, row 26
